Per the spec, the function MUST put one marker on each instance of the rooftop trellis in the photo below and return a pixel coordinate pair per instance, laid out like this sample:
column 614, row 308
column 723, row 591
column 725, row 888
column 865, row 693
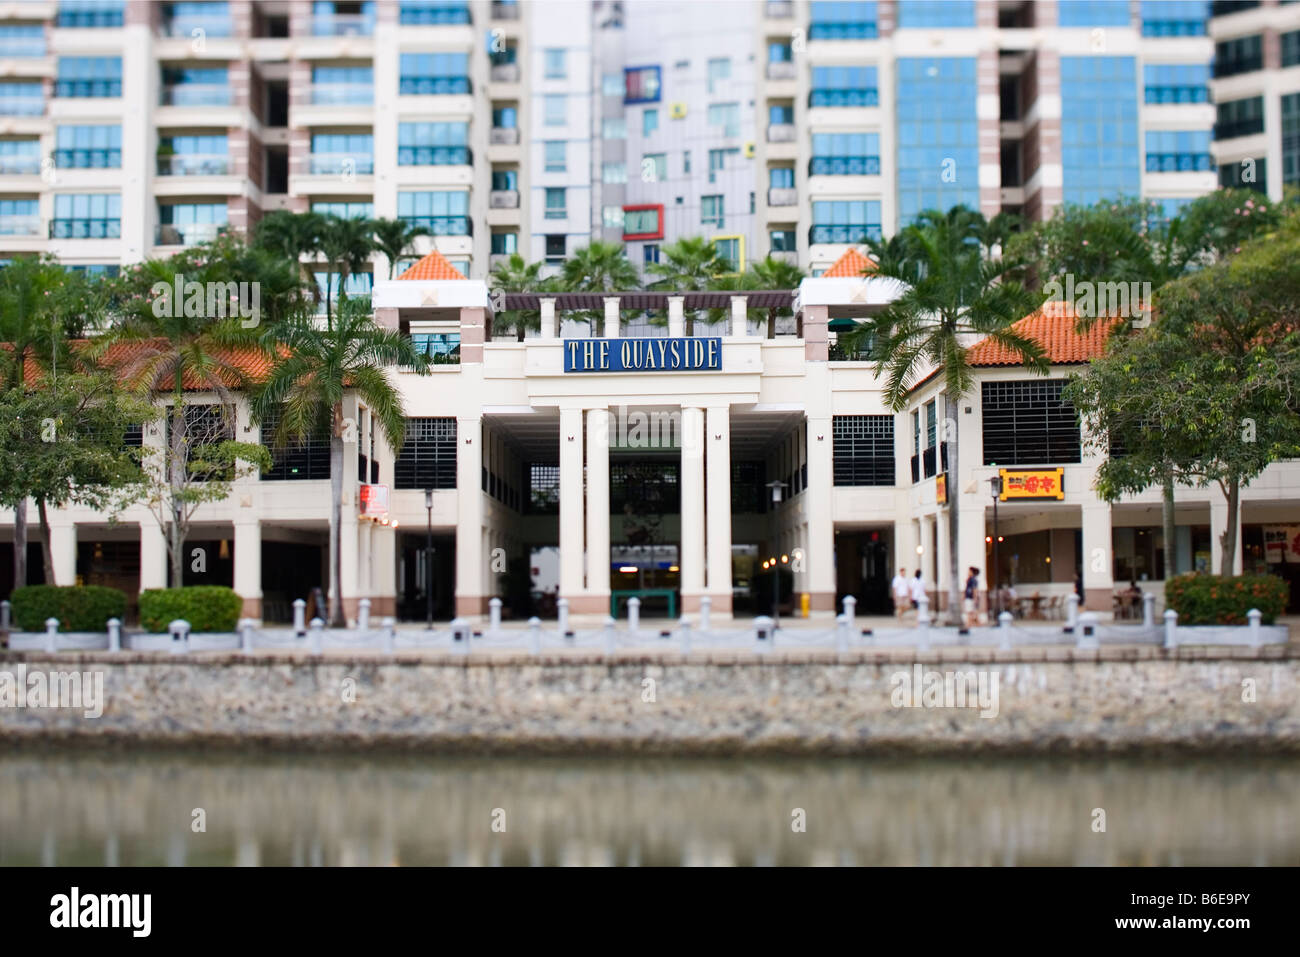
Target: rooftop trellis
column 762, row 299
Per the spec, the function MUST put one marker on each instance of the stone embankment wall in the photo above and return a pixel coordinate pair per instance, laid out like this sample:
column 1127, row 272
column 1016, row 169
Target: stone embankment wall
column 1047, row 700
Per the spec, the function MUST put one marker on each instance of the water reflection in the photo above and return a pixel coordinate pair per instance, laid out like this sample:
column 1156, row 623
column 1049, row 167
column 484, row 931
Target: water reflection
column 130, row 809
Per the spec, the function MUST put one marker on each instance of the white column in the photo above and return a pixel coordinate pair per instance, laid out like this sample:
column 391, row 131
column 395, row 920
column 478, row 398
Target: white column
column 383, row 554
column 153, row 556
column 739, row 316
column 1098, row 556
column 611, row 317
column 819, row 562
column 598, row 502
column 717, row 444
column 571, row 504
column 248, row 567
column 469, row 516
column 548, row 319
column 63, row 548
column 676, row 316
column 692, row 510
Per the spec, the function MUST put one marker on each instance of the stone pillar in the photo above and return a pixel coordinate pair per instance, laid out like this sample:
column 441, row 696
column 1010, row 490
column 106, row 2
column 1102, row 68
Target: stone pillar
column 676, row 316
column 1218, row 525
column 470, row 599
column 473, row 331
column 816, row 339
column 819, row 562
column 1098, row 557
column 548, row 319
column 153, row 556
column 598, row 508
column 388, row 317
column 383, row 554
column 739, row 316
column 248, row 567
column 611, row 318
column 63, row 548
column 572, row 537
column 691, row 560
column 717, row 446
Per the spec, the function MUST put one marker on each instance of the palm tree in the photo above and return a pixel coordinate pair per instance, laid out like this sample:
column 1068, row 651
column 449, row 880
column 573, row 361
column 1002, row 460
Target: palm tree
column 293, row 236
column 691, row 264
column 516, row 274
column 395, row 238
column 954, row 292
column 599, row 267
column 314, row 371
column 347, row 245
column 772, row 273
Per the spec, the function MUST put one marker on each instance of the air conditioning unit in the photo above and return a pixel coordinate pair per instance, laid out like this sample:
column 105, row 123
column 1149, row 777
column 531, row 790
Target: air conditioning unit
column 677, row 111
column 749, row 150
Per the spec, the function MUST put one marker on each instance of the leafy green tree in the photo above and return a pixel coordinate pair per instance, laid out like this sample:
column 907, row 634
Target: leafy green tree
column 772, row 273
column 953, row 293
column 395, row 238
column 346, row 245
column 600, row 267
column 315, row 370
column 295, row 237
column 516, row 274
column 691, row 264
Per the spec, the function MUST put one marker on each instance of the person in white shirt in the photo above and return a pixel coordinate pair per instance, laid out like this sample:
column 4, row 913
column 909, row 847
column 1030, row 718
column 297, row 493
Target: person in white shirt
column 917, row 589
column 902, row 593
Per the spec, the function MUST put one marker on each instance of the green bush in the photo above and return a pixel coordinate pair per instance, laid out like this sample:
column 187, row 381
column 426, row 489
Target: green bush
column 1203, row 599
column 205, row 607
column 78, row 607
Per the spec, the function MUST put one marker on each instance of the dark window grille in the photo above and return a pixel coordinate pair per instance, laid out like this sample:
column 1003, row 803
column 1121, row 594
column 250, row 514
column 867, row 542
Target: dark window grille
column 863, row 449
column 748, row 489
column 296, row 461
column 544, row 488
column 428, row 456
column 205, row 426
column 649, row 487
column 1028, row 423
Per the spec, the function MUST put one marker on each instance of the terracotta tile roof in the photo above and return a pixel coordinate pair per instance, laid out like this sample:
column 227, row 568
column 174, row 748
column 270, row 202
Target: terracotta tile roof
column 432, row 266
column 852, row 263
column 129, row 359
column 1053, row 327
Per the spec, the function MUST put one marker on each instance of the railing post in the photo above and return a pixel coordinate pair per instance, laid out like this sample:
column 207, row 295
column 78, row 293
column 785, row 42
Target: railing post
column 6, row 615
column 547, row 330
column 114, row 634
column 633, row 614
column 1149, row 609
column 180, row 632
column 706, row 609
column 1087, row 637
column 739, row 315
column 1071, row 613
column 299, row 617
column 1004, row 631
column 611, row 317
column 684, row 629
column 923, row 622
column 246, row 635
column 494, row 615
column 317, row 636
column 676, row 317
column 534, row 636
column 609, row 635
column 390, row 634
column 841, row 633
column 1254, row 616
column 1171, row 628
column 363, row 615
column 460, row 635
column 764, row 632
column 850, row 610
column 51, row 635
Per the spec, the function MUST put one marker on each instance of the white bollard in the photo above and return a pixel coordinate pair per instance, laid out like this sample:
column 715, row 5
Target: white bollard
column 317, row 636
column 684, row 629
column 494, row 615
column 842, row 633
column 923, row 623
column 633, row 614
column 706, row 609
column 180, row 632
column 6, row 616
column 850, row 611
column 764, row 632
column 389, row 626
column 1004, row 631
column 51, row 635
column 1171, row 628
column 114, row 634
column 562, row 614
column 1254, row 616
column 1071, row 613
column 363, row 615
column 1087, row 637
column 609, row 635
column 460, row 635
column 1149, row 609
column 246, row 626
column 534, row 636
column 299, row 617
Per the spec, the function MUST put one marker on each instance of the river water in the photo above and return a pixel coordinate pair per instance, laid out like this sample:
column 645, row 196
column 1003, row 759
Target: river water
column 134, row 808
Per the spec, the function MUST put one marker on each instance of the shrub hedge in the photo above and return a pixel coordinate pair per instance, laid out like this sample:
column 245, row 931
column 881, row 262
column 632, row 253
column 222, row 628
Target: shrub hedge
column 1202, row 599
column 205, row 607
column 78, row 607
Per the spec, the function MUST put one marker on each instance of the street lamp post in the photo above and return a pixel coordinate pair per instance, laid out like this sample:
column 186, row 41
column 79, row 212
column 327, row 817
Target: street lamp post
column 776, row 487
column 428, row 561
column 995, row 483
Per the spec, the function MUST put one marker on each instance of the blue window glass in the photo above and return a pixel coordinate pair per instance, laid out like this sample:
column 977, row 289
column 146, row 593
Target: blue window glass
column 432, row 144
column 182, row 224
column 89, row 76
column 845, row 154
column 443, row 213
column 22, row 40
column 938, row 135
column 423, row 74
column 342, row 153
column 337, row 85
column 1239, row 55
column 204, row 155
column 844, row 86
column 780, row 177
column 20, row 157
column 94, row 270
column 88, row 147
column 357, row 286
column 426, row 12
column 183, row 19
column 503, row 244
column 20, row 217
column 22, row 99
column 1099, row 128
column 90, row 14
column 841, row 20
column 345, row 209
column 505, row 118
column 780, row 115
column 782, row 241
column 1239, row 118
column 1176, row 82
column 779, row 51
column 1291, row 138
column 328, row 21
column 845, row 221
column 1174, row 18
column 936, row 13
column 87, row 216
column 196, row 86
column 1092, row 13
column 1178, row 151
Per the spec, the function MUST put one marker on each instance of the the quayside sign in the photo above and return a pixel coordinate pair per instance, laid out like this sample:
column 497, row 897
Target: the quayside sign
column 689, row 354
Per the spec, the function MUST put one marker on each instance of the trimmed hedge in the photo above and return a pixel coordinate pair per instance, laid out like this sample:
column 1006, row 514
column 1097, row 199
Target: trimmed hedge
column 78, row 607
column 1202, row 599
column 205, row 607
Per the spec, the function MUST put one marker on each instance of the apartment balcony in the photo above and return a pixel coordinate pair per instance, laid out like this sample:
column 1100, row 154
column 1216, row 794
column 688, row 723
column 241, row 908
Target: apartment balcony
column 88, row 89
column 844, row 166
column 780, row 9
column 340, row 164
column 504, row 73
column 498, row 259
column 194, row 164
column 20, row 165
column 504, row 136
column 342, row 94
column 85, row 229
column 343, row 25
column 435, row 156
column 503, row 199
column 1232, row 129
column 198, row 94
column 23, row 105
column 21, row 47
column 21, row 225
column 783, row 197
column 781, row 70
column 782, row 133
column 504, row 11
column 188, row 234
column 210, row 26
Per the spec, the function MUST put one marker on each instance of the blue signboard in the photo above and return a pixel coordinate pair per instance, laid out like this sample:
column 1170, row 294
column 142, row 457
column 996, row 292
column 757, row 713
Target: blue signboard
column 689, row 354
